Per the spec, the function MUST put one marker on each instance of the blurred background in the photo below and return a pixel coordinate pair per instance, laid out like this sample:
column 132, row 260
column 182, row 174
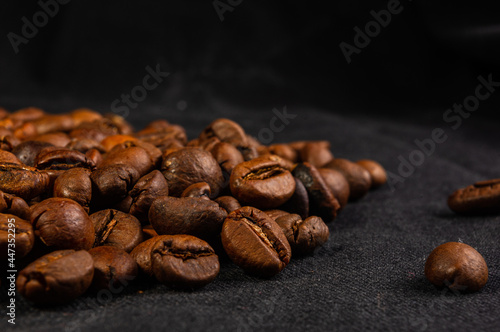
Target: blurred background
column 254, row 54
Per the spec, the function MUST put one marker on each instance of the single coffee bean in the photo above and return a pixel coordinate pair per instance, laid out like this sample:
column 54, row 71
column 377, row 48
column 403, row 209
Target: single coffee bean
column 133, row 156
column 16, row 237
column 153, row 152
column 477, row 199
column 95, row 156
column 62, row 223
column 358, row 177
column 56, row 278
column 457, row 266
column 227, row 155
column 53, row 122
column 157, row 135
column 8, row 142
column 116, row 229
column 195, row 216
column 123, row 205
column 84, row 115
column 75, row 184
column 187, row 166
column 119, row 122
column 254, row 242
column 58, row 139
column 142, row 253
column 337, row 183
column 262, row 182
column 299, row 202
column 23, row 181
column 304, row 236
column 11, row 204
column 184, row 261
column 284, row 151
column 113, row 268
column 84, row 145
column 200, row 189
column 377, row 172
column 322, row 201
column 145, row 191
column 226, row 131
column 276, row 213
column 8, row 157
column 27, row 151
column 62, row 159
column 112, row 183
column 228, row 203
column 109, row 142
column 27, row 114
column 317, row 153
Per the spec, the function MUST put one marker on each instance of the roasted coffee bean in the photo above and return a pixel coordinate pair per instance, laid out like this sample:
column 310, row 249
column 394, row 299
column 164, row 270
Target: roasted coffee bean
column 95, row 156
column 133, row 156
column 284, row 151
column 84, row 145
column 84, row 115
column 116, row 229
column 187, row 166
column 337, row 183
column 184, row 261
column 16, row 237
column 457, row 266
column 358, row 177
column 56, row 278
column 276, row 213
column 58, row 139
column 377, row 172
column 8, row 142
column 187, row 215
column 299, row 202
column 123, row 205
column 62, row 223
column 75, row 184
column 142, row 253
column 226, row 131
column 254, row 242
column 62, row 159
column 112, row 183
column 96, row 130
column 262, row 182
column 23, row 181
column 25, row 131
column 157, row 135
column 305, row 235
column 227, row 155
column 200, row 189
column 477, row 199
column 145, row 191
column 148, row 232
column 317, row 153
column 27, row 114
column 11, row 204
column 113, row 268
column 228, row 203
column 109, row 142
column 119, row 122
column 27, row 151
column 8, row 157
column 322, row 202
column 153, row 152
column 53, row 122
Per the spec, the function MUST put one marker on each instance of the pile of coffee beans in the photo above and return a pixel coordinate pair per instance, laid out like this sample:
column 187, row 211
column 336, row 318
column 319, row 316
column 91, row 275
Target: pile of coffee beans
column 92, row 203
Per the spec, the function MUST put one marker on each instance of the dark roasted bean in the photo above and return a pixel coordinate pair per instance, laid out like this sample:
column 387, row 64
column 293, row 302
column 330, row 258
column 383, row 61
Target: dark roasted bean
column 305, row 235
column 113, row 268
column 23, row 181
column 358, row 177
column 117, row 229
column 477, row 199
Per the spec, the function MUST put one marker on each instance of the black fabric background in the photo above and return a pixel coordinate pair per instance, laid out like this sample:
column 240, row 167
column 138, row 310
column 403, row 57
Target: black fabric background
column 369, row 276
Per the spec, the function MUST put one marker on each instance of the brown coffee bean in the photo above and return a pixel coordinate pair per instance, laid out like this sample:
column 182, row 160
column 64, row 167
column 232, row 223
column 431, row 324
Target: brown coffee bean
column 133, row 156
column 477, row 199
column 158, row 135
column 112, row 183
column 23, row 181
column 123, row 205
column 58, row 139
column 16, row 237
column 226, row 131
column 227, row 155
column 109, row 142
column 119, row 122
column 145, row 191
column 27, row 114
column 53, row 122
column 322, row 202
column 113, row 268
column 11, row 204
column 200, row 190
column 8, row 157
column 27, row 151
column 62, row 159
column 84, row 145
column 284, row 151
column 276, row 213
column 358, row 177
column 304, row 236
column 62, row 223
column 116, row 229
column 337, row 183
column 148, row 232
column 228, row 203
column 377, row 172
column 457, row 266
column 188, row 215
column 154, row 153
column 95, row 156
column 317, row 153
column 56, row 278
column 299, row 202
column 262, row 182
column 142, row 253
column 96, row 130
column 84, row 115
column 8, row 142
column 255, row 242
column 75, row 184
column 184, row 261
column 187, row 166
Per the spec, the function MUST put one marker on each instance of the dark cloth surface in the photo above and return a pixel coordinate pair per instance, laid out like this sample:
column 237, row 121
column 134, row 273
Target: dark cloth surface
column 368, row 276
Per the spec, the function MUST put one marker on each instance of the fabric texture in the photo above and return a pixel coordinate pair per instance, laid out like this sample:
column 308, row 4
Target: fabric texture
column 368, row 276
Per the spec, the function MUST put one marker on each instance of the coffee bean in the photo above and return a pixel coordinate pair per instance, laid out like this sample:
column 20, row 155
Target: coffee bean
column 299, row 202
column 276, row 213
column 226, row 131
column 58, row 139
column 200, row 190
column 27, row 151
column 262, row 182
column 304, row 236
column 23, row 181
column 116, row 229
column 477, row 199
column 316, row 153
column 112, row 183
column 8, row 142
column 358, row 177
column 227, row 155
column 457, row 266
column 228, row 203
column 255, row 242
column 145, row 191
column 17, row 231
column 62, row 223
column 187, row 166
column 377, row 172
column 75, row 184
column 337, row 183
column 56, row 278
column 8, row 157
column 284, row 151
column 11, row 204
column 113, row 268
column 62, row 159
column 322, row 201
column 195, row 216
